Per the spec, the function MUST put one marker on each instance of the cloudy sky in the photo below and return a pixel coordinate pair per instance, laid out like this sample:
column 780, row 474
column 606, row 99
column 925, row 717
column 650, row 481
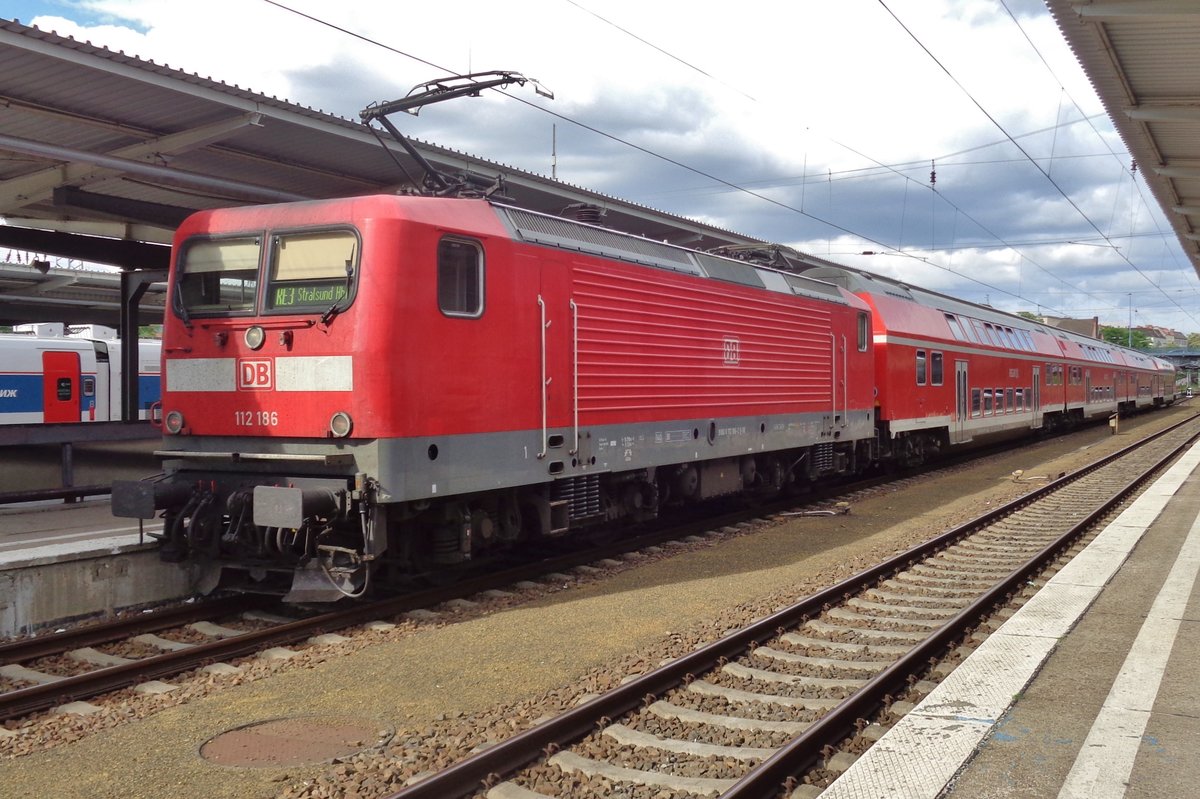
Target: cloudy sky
column 814, row 123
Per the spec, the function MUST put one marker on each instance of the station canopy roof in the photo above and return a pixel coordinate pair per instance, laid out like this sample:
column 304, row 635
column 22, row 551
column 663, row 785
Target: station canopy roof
column 1143, row 58
column 103, row 154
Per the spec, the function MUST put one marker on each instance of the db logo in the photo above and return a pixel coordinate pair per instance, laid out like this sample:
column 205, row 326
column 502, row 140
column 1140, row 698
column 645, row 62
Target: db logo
column 732, row 350
column 255, row 375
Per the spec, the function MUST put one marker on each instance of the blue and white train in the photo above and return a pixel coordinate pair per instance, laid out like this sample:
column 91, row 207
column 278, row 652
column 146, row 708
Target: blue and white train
column 47, row 377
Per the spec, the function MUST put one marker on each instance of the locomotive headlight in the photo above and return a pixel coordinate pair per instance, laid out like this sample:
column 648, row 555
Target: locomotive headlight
column 255, row 336
column 173, row 422
column 340, row 425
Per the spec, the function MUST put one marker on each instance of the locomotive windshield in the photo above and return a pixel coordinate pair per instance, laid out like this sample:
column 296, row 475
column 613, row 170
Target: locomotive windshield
column 306, row 271
column 311, row 270
column 218, row 276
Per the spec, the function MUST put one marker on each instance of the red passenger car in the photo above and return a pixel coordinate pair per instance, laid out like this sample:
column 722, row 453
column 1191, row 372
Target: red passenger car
column 381, row 385
column 950, row 372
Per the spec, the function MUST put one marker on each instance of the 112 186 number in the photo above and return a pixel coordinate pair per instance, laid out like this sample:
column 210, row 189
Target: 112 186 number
column 256, row 418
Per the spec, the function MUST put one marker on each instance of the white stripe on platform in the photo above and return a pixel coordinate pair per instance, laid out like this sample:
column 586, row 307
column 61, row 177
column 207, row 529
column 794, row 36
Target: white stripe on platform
column 92, row 547
column 1102, row 769
column 65, row 537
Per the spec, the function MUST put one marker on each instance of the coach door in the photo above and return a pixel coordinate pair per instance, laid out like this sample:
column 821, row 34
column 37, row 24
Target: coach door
column 1037, row 397
column 962, row 402
column 60, row 387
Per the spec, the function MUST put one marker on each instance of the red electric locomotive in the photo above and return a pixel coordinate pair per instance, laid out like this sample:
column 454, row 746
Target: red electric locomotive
column 949, row 372
column 359, row 388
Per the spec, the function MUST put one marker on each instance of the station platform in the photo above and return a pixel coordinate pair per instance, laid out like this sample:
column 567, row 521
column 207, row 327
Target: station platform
column 1088, row 691
column 66, row 562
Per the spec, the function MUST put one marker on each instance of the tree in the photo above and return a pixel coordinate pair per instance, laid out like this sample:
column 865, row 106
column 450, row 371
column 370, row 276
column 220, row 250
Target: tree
column 1193, row 341
column 1029, row 315
column 1120, row 335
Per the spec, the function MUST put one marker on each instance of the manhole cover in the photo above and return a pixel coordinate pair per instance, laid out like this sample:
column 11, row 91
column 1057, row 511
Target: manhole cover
column 294, row 741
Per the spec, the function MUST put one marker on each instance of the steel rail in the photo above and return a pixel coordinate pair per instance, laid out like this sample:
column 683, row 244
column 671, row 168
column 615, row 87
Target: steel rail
column 490, row 765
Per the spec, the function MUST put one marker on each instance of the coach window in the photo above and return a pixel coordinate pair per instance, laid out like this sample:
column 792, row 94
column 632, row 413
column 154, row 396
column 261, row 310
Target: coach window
column 935, row 368
column 975, row 402
column 1020, row 398
column 971, row 327
column 920, row 367
column 955, row 327
column 460, row 277
column 999, row 400
column 1008, row 400
column 862, row 332
column 987, row 402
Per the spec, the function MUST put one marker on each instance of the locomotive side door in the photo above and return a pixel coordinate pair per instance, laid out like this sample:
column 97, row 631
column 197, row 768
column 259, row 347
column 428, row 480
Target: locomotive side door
column 556, row 345
column 60, row 387
column 962, row 402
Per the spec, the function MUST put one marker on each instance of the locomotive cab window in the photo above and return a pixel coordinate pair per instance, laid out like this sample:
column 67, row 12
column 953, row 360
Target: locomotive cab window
column 217, row 276
column 920, row 367
column 460, row 277
column 311, row 271
column 862, row 332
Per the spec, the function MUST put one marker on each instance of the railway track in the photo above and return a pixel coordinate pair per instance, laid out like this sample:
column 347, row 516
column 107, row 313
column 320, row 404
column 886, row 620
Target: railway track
column 786, row 700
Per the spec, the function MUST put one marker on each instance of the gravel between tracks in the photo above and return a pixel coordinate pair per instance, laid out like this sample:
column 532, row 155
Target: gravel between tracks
column 478, row 675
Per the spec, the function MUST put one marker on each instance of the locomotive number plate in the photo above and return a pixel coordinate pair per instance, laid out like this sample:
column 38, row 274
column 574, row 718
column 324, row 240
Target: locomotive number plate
column 256, row 418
